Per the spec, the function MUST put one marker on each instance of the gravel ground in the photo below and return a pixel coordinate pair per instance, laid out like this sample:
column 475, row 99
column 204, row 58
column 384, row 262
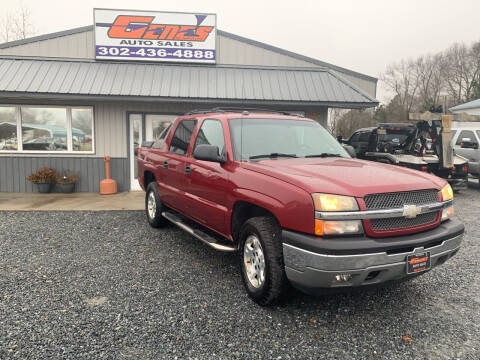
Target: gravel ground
column 106, row 285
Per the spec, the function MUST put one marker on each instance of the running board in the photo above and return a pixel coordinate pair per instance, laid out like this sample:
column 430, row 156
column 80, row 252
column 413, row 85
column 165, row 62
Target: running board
column 199, row 234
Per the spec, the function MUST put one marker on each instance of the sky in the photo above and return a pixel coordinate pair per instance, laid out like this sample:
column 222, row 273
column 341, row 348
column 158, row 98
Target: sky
column 361, row 35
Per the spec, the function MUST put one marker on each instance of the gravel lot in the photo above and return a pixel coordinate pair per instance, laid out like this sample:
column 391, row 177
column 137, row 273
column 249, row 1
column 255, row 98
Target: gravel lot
column 106, row 285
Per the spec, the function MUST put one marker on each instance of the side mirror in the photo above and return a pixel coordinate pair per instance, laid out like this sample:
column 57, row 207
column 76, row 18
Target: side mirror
column 351, row 150
column 340, row 139
column 208, row 153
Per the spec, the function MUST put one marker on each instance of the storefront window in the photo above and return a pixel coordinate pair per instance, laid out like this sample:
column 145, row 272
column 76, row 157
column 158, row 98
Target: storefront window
column 46, row 129
column 82, row 129
column 8, row 128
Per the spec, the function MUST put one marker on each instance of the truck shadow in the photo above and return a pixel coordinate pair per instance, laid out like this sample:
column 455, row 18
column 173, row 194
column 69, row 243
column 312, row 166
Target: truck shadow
column 224, row 268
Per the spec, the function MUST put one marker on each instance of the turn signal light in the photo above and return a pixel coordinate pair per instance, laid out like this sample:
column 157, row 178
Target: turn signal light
column 350, row 227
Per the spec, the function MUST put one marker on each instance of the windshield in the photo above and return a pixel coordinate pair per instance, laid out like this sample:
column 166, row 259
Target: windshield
column 278, row 138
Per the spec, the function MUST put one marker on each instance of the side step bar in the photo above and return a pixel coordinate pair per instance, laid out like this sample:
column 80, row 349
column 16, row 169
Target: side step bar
column 199, row 234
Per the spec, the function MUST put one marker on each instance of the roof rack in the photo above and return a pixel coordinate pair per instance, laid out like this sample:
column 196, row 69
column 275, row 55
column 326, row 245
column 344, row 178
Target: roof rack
column 239, row 110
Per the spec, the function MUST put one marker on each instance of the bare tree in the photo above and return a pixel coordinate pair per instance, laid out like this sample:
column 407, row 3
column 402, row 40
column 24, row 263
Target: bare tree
column 22, row 21
column 6, row 27
column 16, row 25
column 334, row 115
column 463, row 71
column 431, row 80
column 352, row 120
column 402, row 80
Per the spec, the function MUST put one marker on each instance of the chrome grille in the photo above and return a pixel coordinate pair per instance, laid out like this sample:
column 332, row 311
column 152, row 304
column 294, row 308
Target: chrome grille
column 402, row 222
column 398, row 199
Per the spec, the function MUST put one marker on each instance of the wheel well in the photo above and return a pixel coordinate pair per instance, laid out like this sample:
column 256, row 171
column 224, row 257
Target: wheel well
column 242, row 211
column 148, row 177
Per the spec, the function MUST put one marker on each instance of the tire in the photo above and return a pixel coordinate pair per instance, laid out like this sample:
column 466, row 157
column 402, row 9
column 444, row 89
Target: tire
column 154, row 207
column 261, row 253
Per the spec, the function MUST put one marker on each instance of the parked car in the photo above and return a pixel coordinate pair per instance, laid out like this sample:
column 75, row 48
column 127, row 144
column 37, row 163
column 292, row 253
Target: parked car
column 465, row 140
column 280, row 191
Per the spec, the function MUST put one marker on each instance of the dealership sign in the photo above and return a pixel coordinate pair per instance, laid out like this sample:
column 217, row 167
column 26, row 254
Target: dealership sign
column 154, row 36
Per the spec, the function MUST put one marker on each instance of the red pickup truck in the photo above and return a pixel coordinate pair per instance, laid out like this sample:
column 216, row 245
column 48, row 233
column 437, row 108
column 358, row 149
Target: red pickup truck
column 280, row 191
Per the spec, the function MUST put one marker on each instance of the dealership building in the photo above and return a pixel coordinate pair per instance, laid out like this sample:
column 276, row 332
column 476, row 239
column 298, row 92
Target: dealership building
column 69, row 98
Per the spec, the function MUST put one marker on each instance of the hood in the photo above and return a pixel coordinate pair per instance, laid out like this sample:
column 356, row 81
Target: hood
column 351, row 177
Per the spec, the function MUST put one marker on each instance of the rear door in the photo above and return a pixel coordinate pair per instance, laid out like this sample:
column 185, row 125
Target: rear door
column 173, row 185
column 207, row 182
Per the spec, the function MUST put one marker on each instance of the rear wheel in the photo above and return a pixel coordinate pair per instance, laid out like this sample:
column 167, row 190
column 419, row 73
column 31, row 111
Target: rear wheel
column 154, row 207
column 261, row 260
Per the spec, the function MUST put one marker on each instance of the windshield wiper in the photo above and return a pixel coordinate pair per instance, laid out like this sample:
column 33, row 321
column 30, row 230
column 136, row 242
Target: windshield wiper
column 272, row 156
column 323, row 155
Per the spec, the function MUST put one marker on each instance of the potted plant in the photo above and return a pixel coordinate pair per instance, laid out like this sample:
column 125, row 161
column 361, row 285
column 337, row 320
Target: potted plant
column 66, row 181
column 44, row 178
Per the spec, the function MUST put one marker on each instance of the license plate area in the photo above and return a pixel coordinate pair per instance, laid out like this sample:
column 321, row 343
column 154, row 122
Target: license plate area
column 418, row 262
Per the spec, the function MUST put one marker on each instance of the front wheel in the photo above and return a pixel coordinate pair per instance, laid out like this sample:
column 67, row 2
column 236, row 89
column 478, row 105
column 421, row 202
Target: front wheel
column 261, row 260
column 154, row 207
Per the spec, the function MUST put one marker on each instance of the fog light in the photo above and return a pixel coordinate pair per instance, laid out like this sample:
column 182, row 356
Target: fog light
column 343, row 277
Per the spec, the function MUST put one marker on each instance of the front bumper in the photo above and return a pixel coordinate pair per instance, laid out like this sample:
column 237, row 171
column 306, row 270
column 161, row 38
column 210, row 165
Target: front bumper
column 312, row 263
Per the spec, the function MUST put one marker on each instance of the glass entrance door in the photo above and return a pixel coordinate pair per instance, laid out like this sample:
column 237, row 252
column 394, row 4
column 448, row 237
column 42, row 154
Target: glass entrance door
column 136, row 138
column 143, row 127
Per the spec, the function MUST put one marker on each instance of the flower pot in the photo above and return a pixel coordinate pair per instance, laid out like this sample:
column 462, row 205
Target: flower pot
column 44, row 187
column 65, row 188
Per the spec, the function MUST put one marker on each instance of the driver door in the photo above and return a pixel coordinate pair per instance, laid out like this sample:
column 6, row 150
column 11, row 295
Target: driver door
column 207, row 182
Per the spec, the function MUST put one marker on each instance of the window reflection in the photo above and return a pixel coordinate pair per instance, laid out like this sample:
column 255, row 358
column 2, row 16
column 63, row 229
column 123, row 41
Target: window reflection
column 44, row 128
column 8, row 128
column 82, row 128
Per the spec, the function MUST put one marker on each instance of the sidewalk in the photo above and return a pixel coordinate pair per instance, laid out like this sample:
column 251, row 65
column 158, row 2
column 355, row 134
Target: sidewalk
column 133, row 200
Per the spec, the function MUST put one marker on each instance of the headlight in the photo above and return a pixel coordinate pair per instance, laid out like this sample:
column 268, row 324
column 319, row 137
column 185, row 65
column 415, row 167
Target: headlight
column 448, row 213
column 323, row 227
column 329, row 202
column 447, row 193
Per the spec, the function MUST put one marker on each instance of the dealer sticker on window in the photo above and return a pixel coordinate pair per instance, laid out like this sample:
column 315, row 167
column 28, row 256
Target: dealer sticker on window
column 418, row 263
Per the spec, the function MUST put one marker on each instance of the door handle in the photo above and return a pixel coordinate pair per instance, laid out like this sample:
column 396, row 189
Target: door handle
column 165, row 164
column 188, row 169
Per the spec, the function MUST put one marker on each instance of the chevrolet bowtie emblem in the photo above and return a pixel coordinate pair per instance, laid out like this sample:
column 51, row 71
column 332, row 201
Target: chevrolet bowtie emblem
column 411, row 211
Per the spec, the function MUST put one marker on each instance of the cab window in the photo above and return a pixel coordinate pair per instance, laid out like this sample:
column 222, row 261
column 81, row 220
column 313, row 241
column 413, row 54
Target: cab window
column 181, row 137
column 364, row 136
column 354, row 137
column 211, row 133
column 466, row 134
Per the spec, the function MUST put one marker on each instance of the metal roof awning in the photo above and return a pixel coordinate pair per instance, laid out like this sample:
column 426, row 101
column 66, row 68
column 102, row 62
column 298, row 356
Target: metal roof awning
column 469, row 105
column 89, row 79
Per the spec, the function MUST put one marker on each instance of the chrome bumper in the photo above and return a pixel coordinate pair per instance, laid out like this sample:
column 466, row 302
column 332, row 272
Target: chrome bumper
column 309, row 270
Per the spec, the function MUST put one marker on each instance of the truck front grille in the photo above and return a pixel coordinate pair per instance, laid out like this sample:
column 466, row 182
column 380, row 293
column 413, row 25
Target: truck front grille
column 398, row 199
column 398, row 223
